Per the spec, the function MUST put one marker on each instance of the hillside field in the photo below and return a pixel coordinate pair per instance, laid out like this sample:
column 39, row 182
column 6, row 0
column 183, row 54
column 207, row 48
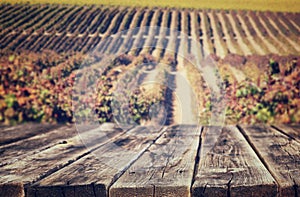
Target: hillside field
column 271, row 5
column 246, row 57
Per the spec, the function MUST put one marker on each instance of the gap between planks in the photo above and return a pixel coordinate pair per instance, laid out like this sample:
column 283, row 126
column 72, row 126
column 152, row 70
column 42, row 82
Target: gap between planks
column 290, row 189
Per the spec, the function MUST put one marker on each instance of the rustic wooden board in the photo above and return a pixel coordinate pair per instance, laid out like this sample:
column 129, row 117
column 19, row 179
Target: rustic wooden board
column 293, row 131
column 13, row 152
column 279, row 153
column 45, row 162
column 93, row 174
column 143, row 162
column 18, row 150
column 23, row 131
column 166, row 169
column 229, row 166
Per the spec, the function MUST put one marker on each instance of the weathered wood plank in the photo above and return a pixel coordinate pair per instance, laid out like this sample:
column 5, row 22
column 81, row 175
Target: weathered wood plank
column 13, row 152
column 292, row 131
column 93, row 174
column 165, row 169
column 230, row 167
column 23, row 131
column 45, row 162
column 280, row 154
column 18, row 150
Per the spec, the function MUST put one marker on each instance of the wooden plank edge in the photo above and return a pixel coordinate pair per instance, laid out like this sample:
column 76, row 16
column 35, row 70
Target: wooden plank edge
column 91, row 190
column 197, row 160
column 213, row 190
column 255, row 190
column 12, row 189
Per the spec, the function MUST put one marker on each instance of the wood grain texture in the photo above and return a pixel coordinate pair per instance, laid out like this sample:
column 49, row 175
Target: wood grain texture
column 12, row 190
column 279, row 153
column 36, row 166
column 23, row 131
column 293, row 131
column 93, row 174
column 13, row 152
column 252, row 160
column 229, row 166
column 165, row 169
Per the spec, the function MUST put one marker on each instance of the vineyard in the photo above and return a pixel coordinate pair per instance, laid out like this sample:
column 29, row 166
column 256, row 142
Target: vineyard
column 255, row 52
column 116, row 101
column 65, row 28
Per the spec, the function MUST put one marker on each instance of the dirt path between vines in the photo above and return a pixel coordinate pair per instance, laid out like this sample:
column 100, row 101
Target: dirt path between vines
column 185, row 105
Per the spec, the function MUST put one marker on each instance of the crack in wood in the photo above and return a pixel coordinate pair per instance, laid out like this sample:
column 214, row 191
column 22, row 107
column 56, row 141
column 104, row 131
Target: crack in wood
column 167, row 162
column 197, row 160
column 295, row 186
column 94, row 190
column 154, row 195
column 228, row 185
column 203, row 190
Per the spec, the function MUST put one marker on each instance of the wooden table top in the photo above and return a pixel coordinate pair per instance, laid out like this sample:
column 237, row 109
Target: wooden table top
column 178, row 160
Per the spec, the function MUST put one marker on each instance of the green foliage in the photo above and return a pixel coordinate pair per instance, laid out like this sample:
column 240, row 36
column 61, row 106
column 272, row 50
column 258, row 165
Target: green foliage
column 10, row 99
column 278, row 98
column 274, row 67
column 32, row 89
column 39, row 87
